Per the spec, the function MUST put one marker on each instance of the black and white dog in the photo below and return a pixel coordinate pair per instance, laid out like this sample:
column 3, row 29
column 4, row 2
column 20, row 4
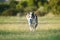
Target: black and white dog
column 32, row 20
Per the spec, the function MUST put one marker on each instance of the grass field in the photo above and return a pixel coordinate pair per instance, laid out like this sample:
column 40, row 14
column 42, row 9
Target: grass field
column 16, row 28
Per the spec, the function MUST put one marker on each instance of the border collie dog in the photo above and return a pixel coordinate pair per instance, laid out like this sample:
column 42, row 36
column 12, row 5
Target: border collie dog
column 32, row 21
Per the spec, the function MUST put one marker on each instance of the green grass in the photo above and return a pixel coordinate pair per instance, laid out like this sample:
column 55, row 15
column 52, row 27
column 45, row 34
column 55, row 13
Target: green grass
column 38, row 35
column 14, row 19
column 16, row 28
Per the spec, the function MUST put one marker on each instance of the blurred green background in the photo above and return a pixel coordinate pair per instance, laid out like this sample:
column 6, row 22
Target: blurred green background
column 21, row 7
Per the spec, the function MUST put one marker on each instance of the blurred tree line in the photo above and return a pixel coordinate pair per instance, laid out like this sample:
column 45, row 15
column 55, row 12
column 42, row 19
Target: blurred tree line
column 41, row 7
